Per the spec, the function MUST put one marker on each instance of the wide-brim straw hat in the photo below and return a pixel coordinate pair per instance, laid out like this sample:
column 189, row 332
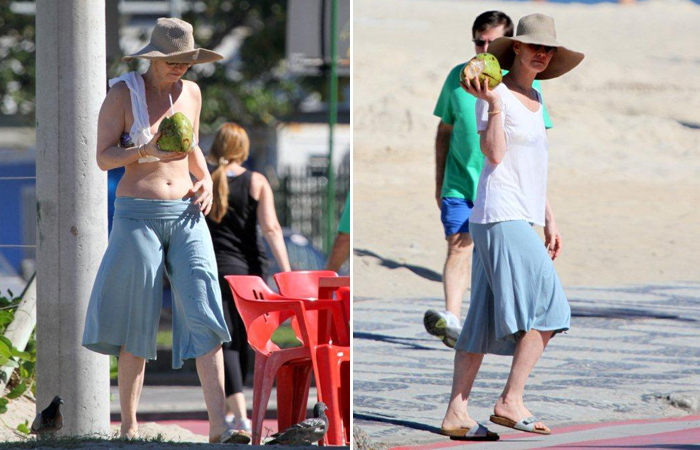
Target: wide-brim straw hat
column 172, row 40
column 536, row 29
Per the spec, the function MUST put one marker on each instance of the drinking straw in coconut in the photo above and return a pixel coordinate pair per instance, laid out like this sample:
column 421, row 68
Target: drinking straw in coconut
column 172, row 111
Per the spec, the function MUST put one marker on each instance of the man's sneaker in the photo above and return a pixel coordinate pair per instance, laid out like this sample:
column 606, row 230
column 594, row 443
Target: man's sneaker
column 444, row 325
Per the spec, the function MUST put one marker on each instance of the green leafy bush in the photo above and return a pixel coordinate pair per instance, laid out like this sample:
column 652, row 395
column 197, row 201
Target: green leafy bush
column 23, row 377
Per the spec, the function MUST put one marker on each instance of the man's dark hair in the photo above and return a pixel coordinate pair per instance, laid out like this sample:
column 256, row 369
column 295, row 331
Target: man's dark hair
column 492, row 19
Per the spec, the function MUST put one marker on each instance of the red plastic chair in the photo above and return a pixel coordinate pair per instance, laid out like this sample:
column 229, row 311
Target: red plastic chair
column 261, row 319
column 334, row 370
column 345, row 297
column 305, row 284
column 301, row 283
column 293, row 371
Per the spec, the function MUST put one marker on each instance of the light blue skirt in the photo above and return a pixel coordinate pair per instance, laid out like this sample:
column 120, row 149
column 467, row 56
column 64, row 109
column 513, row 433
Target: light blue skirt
column 150, row 238
column 514, row 289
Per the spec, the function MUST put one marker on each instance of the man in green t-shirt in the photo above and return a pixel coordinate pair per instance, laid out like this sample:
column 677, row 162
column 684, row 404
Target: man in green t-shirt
column 341, row 246
column 458, row 163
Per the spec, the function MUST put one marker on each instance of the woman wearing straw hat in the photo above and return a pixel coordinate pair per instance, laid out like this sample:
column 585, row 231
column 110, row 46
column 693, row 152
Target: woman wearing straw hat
column 158, row 226
column 517, row 302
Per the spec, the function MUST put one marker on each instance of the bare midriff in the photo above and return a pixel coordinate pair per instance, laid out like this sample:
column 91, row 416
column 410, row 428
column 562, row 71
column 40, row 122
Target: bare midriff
column 158, row 180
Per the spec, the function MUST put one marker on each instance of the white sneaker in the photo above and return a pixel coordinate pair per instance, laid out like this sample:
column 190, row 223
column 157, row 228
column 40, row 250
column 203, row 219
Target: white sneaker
column 243, row 425
column 444, row 325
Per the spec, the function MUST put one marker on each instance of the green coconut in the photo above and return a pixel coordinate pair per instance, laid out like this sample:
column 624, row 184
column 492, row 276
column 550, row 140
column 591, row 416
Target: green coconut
column 176, row 133
column 482, row 66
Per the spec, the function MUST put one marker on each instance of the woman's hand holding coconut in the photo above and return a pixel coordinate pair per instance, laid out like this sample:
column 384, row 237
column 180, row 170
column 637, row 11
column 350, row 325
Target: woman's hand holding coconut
column 151, row 149
column 481, row 91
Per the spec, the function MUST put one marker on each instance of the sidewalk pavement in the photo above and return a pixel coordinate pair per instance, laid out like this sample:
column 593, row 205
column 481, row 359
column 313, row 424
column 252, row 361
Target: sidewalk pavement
column 160, row 403
column 677, row 433
column 184, row 406
column 632, row 353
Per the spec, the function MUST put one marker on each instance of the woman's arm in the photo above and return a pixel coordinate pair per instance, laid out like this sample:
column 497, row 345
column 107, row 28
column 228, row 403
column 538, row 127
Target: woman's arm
column 197, row 164
column 110, row 125
column 267, row 218
column 552, row 238
column 493, row 139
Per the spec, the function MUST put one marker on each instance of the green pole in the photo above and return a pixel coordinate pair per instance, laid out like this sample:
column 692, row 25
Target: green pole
column 332, row 118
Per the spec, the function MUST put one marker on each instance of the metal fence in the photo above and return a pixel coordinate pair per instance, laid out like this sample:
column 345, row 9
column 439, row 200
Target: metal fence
column 300, row 194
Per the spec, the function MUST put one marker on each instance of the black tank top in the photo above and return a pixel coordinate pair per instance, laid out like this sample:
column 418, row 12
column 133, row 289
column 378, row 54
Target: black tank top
column 238, row 247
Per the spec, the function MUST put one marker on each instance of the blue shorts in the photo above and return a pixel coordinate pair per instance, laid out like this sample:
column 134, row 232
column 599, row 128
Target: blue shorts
column 455, row 214
column 150, row 238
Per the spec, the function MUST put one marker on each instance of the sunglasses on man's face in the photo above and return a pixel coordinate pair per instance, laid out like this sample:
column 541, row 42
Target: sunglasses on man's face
column 540, row 47
column 480, row 42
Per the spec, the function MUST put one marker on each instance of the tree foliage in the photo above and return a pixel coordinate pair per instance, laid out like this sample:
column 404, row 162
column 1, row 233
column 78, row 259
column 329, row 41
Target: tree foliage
column 254, row 89
column 17, row 63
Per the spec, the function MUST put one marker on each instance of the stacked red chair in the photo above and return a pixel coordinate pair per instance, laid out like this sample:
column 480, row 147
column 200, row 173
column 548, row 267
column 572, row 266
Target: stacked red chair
column 301, row 283
column 305, row 284
column 263, row 311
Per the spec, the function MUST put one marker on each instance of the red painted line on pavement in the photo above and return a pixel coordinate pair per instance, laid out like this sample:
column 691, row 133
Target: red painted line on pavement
column 592, row 426
column 662, row 440
column 562, row 430
column 201, row 427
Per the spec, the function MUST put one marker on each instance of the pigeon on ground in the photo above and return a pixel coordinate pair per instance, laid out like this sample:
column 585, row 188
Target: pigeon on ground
column 49, row 420
column 306, row 432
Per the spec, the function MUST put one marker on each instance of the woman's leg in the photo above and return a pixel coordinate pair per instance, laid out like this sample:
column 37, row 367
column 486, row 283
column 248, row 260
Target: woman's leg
column 130, row 379
column 527, row 353
column 235, row 352
column 210, row 369
column 235, row 400
column 466, row 367
column 237, row 406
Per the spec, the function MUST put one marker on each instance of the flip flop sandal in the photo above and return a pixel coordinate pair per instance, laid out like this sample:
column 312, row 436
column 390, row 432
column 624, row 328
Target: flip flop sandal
column 476, row 433
column 527, row 424
column 232, row 436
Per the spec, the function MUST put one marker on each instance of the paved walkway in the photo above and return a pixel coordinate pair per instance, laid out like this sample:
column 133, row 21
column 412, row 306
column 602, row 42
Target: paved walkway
column 628, row 350
column 187, row 401
column 678, row 433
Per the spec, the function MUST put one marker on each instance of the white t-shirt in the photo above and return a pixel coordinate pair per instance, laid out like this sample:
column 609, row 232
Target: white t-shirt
column 515, row 189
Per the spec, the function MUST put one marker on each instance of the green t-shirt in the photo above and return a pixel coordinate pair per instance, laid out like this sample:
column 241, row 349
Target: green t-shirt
column 456, row 107
column 344, row 225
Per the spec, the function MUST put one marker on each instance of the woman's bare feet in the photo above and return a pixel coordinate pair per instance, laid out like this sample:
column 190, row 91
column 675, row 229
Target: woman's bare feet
column 455, row 420
column 129, row 432
column 515, row 410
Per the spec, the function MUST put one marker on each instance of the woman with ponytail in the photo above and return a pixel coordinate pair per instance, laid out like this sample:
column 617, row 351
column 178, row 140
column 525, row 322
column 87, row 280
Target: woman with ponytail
column 242, row 200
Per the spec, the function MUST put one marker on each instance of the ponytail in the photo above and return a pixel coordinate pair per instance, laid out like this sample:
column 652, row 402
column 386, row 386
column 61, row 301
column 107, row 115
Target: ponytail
column 219, row 204
column 231, row 144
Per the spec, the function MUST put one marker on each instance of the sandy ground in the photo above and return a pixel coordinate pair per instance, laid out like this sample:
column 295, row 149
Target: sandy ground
column 24, row 408
column 624, row 150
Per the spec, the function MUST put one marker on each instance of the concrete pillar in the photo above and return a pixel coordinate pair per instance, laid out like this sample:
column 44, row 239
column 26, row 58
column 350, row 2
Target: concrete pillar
column 71, row 208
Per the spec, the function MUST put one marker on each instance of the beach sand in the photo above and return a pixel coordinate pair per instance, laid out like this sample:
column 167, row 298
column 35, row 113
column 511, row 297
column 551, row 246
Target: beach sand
column 624, row 178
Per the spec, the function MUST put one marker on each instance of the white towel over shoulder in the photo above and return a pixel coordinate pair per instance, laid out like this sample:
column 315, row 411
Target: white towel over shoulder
column 141, row 129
